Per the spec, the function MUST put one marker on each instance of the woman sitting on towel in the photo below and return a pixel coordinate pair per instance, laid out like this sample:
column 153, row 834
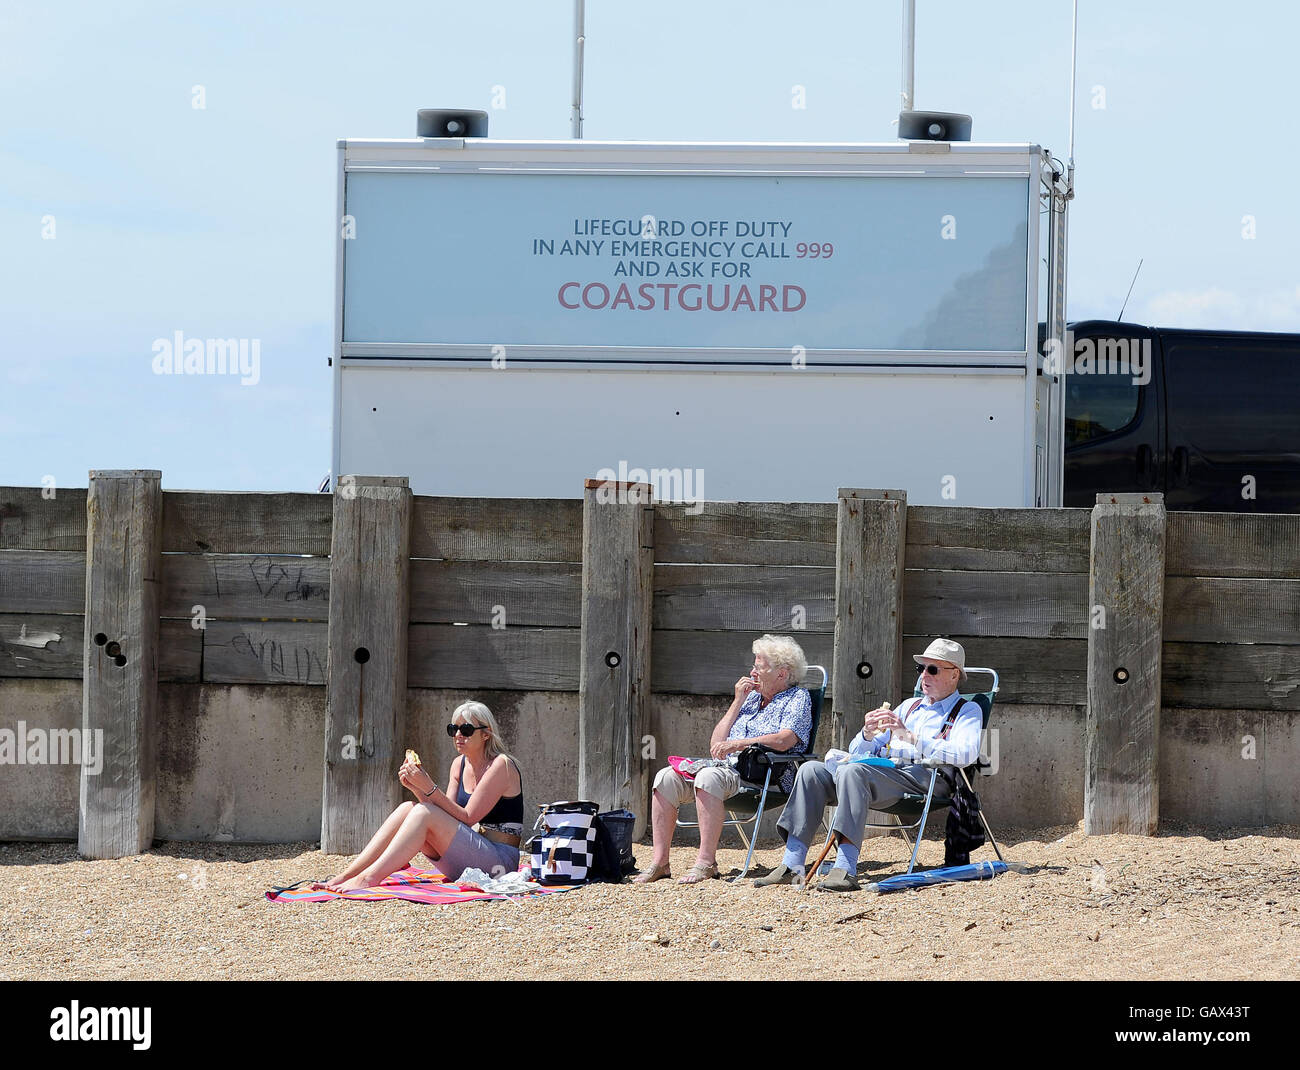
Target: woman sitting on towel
column 475, row 824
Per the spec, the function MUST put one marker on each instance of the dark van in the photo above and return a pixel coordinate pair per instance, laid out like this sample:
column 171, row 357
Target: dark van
column 1211, row 418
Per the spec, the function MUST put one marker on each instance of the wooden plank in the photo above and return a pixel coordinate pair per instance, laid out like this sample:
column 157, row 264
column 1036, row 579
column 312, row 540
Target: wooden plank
column 221, row 522
column 272, row 652
column 763, row 598
column 31, row 520
column 1122, row 766
column 1223, row 676
column 614, row 669
column 998, row 540
column 710, row 663
column 42, row 581
column 365, row 733
column 1034, row 605
column 246, row 586
column 503, row 593
column 872, row 537
column 1033, row 671
column 746, row 533
column 480, row 658
column 497, row 529
column 1214, row 610
column 180, row 652
column 42, row 645
column 120, row 667
column 1233, row 544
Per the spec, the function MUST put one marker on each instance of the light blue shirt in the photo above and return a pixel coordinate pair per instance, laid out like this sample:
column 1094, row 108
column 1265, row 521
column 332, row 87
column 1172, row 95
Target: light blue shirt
column 926, row 721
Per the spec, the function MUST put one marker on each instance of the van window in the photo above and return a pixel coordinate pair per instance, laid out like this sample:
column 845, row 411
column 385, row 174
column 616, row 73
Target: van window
column 1097, row 405
column 1222, row 396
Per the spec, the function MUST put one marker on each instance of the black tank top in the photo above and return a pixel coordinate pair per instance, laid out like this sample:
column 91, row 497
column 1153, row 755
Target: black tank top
column 509, row 809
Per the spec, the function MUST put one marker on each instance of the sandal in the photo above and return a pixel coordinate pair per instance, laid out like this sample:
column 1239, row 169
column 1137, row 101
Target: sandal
column 654, row 873
column 700, row 872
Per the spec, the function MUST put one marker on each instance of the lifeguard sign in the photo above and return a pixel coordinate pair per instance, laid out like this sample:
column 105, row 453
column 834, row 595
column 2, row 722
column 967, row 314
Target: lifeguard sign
column 772, row 321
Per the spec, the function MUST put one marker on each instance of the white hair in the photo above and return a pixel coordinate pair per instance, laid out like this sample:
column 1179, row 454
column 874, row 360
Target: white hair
column 476, row 713
column 782, row 652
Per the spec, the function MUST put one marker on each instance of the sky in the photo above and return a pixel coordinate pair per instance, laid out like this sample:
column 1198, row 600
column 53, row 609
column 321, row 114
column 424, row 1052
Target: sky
column 129, row 212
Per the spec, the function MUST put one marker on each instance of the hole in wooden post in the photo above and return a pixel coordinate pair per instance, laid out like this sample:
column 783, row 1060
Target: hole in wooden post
column 362, row 655
column 1121, row 675
column 100, row 639
column 864, row 669
column 119, row 660
column 613, row 660
column 113, row 649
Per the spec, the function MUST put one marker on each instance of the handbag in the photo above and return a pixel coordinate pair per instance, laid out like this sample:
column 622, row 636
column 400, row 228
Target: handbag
column 751, row 764
column 565, row 850
column 614, row 858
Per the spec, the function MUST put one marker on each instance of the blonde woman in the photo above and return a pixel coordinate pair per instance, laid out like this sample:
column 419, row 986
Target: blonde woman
column 475, row 824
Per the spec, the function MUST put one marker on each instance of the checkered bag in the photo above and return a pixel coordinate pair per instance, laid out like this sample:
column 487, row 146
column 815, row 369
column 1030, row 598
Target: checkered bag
column 565, row 851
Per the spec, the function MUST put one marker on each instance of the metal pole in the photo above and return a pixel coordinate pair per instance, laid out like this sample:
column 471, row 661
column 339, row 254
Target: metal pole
column 1074, row 58
column 579, row 43
column 909, row 52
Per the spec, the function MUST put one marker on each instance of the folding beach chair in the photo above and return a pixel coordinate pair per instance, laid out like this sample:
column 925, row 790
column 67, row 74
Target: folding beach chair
column 745, row 809
column 913, row 809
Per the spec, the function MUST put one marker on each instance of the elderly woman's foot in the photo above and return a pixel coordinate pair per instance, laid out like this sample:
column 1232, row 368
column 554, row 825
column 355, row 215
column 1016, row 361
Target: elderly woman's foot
column 654, row 873
column 701, row 871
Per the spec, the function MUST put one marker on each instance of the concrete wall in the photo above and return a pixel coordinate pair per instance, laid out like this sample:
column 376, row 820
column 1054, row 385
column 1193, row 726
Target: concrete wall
column 39, row 802
column 242, row 763
column 1229, row 767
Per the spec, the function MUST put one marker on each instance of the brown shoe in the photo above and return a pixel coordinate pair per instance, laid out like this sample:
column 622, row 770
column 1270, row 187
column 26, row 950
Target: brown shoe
column 783, row 874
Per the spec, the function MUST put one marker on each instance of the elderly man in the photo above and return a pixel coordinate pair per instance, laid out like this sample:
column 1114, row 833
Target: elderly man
column 939, row 725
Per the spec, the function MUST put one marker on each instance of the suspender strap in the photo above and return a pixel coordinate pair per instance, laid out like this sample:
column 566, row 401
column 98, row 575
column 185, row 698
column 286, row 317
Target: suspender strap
column 952, row 717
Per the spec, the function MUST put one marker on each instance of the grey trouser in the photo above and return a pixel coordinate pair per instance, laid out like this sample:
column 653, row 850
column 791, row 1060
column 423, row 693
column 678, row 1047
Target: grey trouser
column 856, row 789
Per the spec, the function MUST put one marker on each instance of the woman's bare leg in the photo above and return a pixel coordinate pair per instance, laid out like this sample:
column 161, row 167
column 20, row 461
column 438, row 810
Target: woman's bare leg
column 424, row 825
column 709, row 810
column 375, row 847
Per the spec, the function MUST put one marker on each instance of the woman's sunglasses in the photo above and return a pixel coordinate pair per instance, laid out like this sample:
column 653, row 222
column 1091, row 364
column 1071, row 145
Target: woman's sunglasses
column 465, row 730
column 933, row 670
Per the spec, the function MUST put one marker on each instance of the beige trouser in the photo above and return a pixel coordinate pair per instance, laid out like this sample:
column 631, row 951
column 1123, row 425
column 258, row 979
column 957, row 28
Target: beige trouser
column 722, row 782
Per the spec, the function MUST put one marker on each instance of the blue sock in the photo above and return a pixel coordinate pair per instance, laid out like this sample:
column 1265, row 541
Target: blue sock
column 795, row 853
column 846, row 858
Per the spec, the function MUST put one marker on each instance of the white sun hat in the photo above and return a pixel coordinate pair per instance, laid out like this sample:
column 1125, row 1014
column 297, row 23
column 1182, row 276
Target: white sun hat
column 944, row 650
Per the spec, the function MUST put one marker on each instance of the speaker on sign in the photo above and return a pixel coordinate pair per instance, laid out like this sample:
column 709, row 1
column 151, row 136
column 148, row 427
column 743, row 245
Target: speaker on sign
column 933, row 126
column 450, row 122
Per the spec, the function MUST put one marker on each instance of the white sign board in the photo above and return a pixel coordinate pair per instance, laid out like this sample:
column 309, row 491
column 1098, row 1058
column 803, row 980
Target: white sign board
column 704, row 261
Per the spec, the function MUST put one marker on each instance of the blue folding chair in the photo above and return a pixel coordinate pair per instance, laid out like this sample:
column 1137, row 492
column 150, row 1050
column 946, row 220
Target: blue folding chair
column 914, row 807
column 745, row 809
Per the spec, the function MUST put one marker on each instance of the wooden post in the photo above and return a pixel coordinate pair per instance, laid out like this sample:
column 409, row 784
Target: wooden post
column 365, row 728
column 119, row 712
column 870, row 541
column 1126, row 610
column 614, row 668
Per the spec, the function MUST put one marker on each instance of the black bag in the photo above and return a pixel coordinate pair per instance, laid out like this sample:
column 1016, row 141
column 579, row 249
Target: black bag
column 613, row 858
column 751, row 765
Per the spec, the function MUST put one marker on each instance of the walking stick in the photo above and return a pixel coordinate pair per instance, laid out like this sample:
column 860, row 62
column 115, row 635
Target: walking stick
column 832, row 837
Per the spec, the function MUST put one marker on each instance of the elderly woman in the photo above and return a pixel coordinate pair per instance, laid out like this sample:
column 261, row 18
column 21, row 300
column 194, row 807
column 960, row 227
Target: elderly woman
column 475, row 824
column 771, row 708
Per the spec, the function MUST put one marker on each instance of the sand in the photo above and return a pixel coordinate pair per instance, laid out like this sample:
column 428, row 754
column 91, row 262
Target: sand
column 1190, row 903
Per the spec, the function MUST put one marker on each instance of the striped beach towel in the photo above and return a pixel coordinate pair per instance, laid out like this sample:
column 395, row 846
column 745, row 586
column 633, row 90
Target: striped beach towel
column 413, row 885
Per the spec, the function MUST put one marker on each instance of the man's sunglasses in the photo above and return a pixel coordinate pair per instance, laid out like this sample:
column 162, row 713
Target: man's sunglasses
column 933, row 670
column 465, row 730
